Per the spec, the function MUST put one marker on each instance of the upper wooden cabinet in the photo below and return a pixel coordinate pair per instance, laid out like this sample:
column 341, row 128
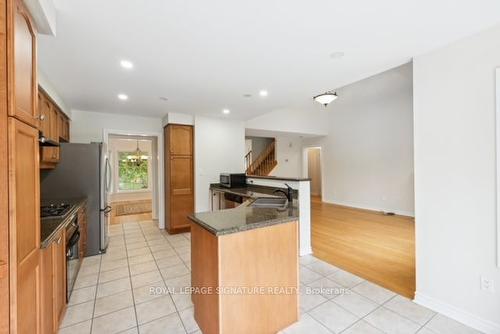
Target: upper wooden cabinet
column 24, row 225
column 54, row 125
column 22, row 65
column 179, row 177
column 180, row 139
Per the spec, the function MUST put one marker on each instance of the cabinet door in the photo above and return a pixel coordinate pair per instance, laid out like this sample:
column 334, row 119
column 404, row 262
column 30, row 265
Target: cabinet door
column 23, row 90
column 45, row 117
column 181, row 191
column 59, row 278
column 181, row 139
column 47, row 291
column 24, row 226
column 54, row 130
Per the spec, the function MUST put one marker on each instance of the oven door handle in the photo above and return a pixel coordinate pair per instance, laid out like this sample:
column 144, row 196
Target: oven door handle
column 74, row 239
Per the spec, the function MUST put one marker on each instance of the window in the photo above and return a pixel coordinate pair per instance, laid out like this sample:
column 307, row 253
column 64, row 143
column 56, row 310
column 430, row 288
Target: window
column 132, row 176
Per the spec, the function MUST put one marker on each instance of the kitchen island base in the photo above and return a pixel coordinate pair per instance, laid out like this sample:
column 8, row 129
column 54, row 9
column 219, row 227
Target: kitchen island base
column 245, row 282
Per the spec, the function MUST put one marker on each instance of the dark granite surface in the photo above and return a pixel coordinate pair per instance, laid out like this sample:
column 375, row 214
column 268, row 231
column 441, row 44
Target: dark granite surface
column 51, row 227
column 243, row 218
column 279, row 178
column 251, row 191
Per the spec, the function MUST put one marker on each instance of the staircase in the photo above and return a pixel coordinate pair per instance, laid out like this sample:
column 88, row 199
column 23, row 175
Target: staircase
column 264, row 163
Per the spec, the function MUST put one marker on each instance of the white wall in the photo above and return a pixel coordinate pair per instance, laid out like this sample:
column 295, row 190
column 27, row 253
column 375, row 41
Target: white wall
column 289, row 156
column 45, row 83
column 311, row 120
column 219, row 147
column 368, row 153
column 454, row 103
column 87, row 126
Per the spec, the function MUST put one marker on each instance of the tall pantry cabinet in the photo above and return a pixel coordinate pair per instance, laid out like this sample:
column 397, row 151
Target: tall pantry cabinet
column 19, row 176
column 179, row 177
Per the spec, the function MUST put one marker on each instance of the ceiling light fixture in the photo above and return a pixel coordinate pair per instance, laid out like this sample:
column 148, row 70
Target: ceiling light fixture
column 326, row 98
column 263, row 93
column 226, row 111
column 123, row 97
column 127, row 64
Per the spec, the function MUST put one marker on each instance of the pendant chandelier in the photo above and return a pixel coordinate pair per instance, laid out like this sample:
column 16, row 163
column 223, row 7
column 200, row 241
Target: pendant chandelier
column 138, row 157
column 326, row 98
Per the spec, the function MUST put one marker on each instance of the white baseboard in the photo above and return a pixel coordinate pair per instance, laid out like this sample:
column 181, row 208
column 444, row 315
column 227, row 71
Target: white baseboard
column 469, row 319
column 365, row 207
column 305, row 251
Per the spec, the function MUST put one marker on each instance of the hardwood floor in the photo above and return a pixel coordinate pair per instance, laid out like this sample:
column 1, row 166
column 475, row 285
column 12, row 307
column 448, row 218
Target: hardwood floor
column 369, row 244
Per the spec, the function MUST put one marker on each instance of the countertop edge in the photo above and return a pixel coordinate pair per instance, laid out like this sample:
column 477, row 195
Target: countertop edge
column 45, row 243
column 243, row 228
column 279, row 178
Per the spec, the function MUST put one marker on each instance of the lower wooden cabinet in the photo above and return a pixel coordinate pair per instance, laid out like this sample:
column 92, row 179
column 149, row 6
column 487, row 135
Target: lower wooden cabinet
column 47, row 264
column 24, row 227
column 53, row 294
column 59, row 278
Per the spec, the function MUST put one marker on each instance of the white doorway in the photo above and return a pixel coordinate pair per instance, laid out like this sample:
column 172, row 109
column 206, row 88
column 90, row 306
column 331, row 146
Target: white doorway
column 312, row 168
column 152, row 146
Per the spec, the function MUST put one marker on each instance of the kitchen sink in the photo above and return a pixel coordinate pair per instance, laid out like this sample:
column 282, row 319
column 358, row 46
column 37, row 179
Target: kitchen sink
column 270, row 202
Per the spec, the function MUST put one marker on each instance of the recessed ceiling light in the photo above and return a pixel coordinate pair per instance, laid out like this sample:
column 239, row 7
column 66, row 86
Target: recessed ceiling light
column 337, row 55
column 226, row 111
column 126, row 64
column 263, row 93
column 122, row 97
column 247, row 95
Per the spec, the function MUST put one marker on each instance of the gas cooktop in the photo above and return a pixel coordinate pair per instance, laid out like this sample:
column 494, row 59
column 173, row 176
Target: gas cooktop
column 56, row 210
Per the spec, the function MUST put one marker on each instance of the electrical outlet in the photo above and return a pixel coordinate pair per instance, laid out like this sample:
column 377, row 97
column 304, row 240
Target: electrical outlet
column 487, row 284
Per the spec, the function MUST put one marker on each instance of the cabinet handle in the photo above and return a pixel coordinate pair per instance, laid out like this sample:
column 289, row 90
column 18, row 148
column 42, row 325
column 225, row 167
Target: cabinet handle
column 41, row 117
column 59, row 241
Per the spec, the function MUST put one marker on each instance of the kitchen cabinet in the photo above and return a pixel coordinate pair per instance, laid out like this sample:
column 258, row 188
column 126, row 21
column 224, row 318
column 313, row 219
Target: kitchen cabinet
column 55, row 126
column 179, row 177
column 20, row 281
column 47, row 290
column 22, row 51
column 53, row 282
column 24, row 224
column 59, row 256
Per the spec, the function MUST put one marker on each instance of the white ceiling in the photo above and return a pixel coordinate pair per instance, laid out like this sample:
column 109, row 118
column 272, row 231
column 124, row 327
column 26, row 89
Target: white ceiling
column 204, row 55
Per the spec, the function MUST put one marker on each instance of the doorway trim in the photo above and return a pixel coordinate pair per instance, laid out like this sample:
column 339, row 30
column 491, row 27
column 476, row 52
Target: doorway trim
column 158, row 191
column 305, row 166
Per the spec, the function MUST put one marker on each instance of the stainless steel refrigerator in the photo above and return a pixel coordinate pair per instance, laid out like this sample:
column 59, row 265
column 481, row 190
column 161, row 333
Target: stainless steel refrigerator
column 84, row 170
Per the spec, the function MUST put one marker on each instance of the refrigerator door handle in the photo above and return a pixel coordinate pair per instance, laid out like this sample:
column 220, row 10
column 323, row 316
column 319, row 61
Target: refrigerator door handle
column 107, row 175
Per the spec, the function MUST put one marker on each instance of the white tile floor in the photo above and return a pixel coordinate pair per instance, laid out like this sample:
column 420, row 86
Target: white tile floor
column 113, row 294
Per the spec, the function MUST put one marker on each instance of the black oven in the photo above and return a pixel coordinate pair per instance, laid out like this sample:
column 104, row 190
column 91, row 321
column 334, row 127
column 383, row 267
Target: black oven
column 73, row 258
column 230, row 180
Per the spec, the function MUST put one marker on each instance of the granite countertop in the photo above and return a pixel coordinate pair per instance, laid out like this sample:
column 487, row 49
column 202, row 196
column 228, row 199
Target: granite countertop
column 279, row 178
column 244, row 218
column 250, row 191
column 50, row 227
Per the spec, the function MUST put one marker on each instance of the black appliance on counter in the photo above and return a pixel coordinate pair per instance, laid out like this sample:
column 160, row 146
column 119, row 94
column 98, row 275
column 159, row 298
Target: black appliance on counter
column 84, row 171
column 233, row 180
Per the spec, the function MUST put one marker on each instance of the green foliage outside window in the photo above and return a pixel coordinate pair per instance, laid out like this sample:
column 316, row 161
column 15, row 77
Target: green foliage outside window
column 133, row 176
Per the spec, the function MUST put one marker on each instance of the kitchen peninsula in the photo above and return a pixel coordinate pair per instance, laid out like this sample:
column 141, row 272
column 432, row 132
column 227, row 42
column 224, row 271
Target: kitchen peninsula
column 245, row 269
column 244, row 257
